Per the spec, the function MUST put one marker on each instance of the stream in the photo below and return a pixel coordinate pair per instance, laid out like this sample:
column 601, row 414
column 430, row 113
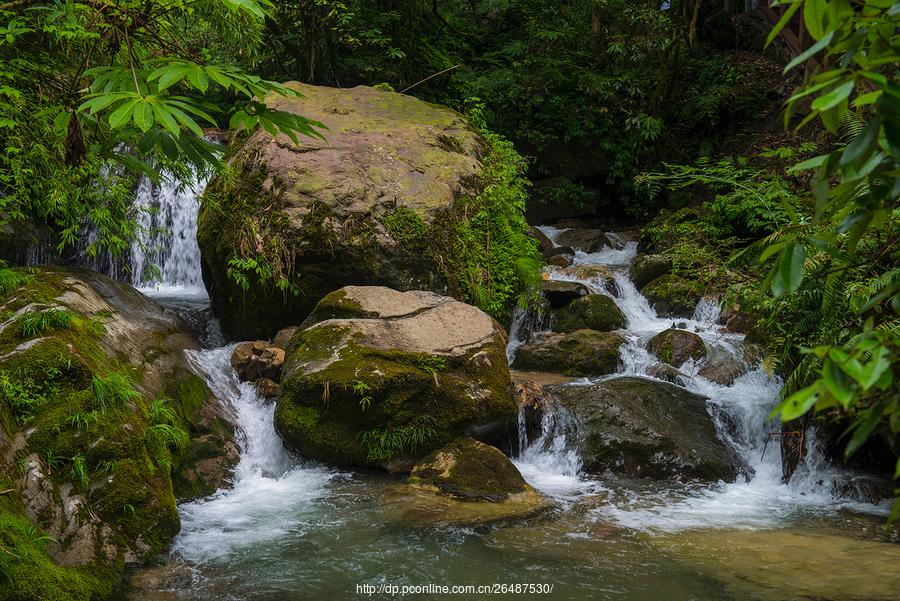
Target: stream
column 290, row 528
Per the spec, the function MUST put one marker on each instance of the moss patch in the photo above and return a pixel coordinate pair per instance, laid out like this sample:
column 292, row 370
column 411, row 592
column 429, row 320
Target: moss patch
column 593, row 312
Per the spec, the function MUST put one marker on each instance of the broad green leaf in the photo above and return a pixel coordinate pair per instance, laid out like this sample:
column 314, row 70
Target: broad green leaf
column 811, row 51
column 837, row 383
column 790, row 12
column 834, row 97
column 789, row 274
column 872, row 371
column 814, row 18
column 796, row 405
column 122, row 114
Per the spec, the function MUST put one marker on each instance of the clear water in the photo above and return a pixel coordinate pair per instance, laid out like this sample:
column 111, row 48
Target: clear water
column 289, row 528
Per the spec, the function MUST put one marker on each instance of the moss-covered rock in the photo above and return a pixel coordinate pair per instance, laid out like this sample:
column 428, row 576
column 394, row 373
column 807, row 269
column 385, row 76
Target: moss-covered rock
column 646, row 268
column 386, row 389
column 400, row 193
column 673, row 296
column 584, row 239
column 465, row 481
column 593, row 312
column 98, row 407
column 675, row 346
column 647, row 429
column 578, row 353
column 469, row 469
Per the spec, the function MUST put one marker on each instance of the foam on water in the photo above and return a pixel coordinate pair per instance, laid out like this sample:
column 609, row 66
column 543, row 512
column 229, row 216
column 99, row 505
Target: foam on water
column 739, row 412
column 272, row 490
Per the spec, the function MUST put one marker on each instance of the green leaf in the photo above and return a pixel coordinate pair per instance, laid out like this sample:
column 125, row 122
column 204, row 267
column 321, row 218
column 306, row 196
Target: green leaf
column 861, row 145
column 814, row 18
column 797, row 404
column 872, row 371
column 837, row 383
column 789, row 274
column 121, row 115
column 834, row 97
column 811, row 51
column 862, row 430
column 790, row 12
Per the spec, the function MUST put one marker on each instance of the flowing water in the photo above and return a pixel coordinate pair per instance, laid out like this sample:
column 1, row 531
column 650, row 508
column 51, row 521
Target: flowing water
column 290, row 528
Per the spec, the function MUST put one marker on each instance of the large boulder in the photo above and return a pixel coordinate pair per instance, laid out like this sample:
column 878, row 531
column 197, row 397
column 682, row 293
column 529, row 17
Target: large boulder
column 381, row 378
column 675, row 346
column 102, row 426
column 464, row 482
column 647, row 429
column 578, row 353
column 593, row 312
column 673, row 296
column 391, row 196
column 600, row 277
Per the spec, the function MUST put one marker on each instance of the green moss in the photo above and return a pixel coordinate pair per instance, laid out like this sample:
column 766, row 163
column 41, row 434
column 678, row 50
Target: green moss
column 579, row 353
column 406, row 226
column 28, row 574
column 319, row 411
column 594, row 312
column 672, row 295
column 469, row 469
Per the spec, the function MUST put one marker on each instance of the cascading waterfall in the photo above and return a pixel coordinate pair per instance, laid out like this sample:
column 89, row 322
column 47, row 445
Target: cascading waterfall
column 760, row 500
column 270, row 486
column 166, row 258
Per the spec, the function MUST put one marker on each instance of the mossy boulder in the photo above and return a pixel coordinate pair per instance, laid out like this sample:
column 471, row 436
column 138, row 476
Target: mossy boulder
column 464, row 482
column 673, row 296
column 578, row 353
column 647, row 429
column 399, row 375
column 469, row 469
column 646, row 268
column 593, row 312
column 394, row 195
column 674, row 346
column 100, row 417
column 584, row 239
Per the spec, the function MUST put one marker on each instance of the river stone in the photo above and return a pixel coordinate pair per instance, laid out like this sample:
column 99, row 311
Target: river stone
column 647, row 429
column 673, row 296
column 675, row 346
column 592, row 312
column 561, row 260
column 125, row 512
column 578, row 353
column 600, row 277
column 646, row 268
column 723, row 370
column 258, row 359
column 469, row 470
column 373, row 203
column 283, row 337
column 559, row 294
column 586, row 240
column 372, row 361
column 545, row 244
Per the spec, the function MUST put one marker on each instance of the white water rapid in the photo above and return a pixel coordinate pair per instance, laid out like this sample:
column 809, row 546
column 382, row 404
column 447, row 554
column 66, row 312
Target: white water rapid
column 763, row 500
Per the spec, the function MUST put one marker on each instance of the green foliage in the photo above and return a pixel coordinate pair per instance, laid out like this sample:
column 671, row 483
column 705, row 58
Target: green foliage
column 391, row 442
column 113, row 392
column 84, row 86
column 10, row 280
column 34, row 323
column 494, row 258
column 405, row 225
column 362, row 390
column 846, row 254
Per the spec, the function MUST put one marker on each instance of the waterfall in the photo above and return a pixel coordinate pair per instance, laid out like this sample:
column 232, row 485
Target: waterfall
column 166, row 258
column 739, row 411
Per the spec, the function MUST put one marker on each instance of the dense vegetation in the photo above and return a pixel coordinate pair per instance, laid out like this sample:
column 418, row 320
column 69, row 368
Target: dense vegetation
column 658, row 114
